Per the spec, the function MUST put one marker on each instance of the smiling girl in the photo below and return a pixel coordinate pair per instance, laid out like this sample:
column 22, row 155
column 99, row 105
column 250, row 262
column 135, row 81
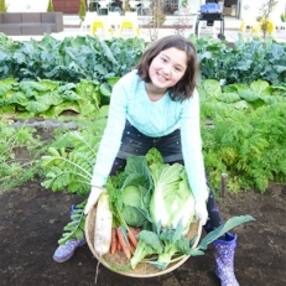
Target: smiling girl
column 157, row 105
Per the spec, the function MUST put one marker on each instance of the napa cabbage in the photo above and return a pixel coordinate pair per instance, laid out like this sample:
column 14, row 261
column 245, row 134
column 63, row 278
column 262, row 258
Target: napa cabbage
column 172, row 202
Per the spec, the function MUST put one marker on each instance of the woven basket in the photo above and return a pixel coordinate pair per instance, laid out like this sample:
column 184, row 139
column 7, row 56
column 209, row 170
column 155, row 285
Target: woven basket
column 117, row 262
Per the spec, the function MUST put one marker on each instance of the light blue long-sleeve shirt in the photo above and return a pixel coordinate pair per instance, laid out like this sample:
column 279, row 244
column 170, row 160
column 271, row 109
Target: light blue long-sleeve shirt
column 130, row 101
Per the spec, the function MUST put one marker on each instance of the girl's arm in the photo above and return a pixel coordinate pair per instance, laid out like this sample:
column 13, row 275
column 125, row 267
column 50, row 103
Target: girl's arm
column 111, row 140
column 192, row 148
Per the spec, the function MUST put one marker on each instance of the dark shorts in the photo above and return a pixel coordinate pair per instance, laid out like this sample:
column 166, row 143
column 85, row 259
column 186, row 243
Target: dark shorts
column 136, row 143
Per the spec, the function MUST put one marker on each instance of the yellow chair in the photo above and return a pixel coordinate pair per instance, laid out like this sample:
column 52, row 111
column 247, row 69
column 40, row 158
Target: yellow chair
column 128, row 28
column 98, row 28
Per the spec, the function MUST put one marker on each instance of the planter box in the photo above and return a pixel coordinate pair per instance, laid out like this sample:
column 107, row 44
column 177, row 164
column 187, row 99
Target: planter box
column 31, row 23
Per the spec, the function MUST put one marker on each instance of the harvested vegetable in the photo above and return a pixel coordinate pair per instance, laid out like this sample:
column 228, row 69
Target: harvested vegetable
column 132, row 236
column 113, row 247
column 123, row 242
column 172, row 201
column 103, row 225
column 133, row 206
column 166, row 205
column 148, row 244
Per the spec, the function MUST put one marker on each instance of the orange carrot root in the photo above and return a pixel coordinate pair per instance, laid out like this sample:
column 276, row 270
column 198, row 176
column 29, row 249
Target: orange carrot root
column 113, row 241
column 123, row 242
column 132, row 236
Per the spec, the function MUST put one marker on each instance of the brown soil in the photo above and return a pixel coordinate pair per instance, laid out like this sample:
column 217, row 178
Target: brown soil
column 31, row 221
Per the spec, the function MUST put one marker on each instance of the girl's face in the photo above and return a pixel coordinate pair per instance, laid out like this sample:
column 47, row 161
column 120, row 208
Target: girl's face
column 167, row 68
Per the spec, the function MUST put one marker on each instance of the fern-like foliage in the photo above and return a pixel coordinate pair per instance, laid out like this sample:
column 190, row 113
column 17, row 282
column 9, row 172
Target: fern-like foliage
column 69, row 162
column 244, row 133
column 75, row 228
column 249, row 146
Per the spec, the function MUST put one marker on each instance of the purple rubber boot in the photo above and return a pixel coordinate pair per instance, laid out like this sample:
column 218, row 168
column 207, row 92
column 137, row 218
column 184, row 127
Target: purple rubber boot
column 66, row 251
column 224, row 256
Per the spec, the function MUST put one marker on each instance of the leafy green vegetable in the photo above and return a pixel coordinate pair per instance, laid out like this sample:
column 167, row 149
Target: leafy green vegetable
column 172, row 201
column 133, row 206
column 246, row 61
column 148, row 244
column 69, row 162
column 130, row 196
column 220, row 231
column 174, row 243
column 75, row 228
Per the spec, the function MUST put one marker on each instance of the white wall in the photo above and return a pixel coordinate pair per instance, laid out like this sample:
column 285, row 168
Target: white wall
column 27, row 5
column 250, row 10
column 193, row 6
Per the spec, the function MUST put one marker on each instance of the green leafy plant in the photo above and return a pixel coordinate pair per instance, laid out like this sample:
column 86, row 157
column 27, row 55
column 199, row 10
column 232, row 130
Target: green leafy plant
column 69, row 161
column 149, row 244
column 70, row 60
column 172, row 201
column 85, row 57
column 173, row 242
column 244, row 133
column 19, row 151
column 48, row 99
column 3, row 6
column 220, row 231
column 246, row 61
column 75, row 228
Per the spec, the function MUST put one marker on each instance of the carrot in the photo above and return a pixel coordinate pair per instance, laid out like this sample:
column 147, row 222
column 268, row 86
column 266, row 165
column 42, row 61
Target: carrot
column 113, row 241
column 119, row 247
column 124, row 244
column 132, row 236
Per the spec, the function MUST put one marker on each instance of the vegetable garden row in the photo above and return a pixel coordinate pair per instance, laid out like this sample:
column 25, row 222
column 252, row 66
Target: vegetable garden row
column 73, row 59
column 242, row 89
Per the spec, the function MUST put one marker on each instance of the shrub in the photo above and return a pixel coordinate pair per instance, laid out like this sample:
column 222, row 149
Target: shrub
column 3, row 7
column 82, row 10
column 50, row 6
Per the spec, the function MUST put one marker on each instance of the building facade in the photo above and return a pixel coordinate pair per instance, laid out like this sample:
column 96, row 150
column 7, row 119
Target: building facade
column 67, row 6
column 243, row 9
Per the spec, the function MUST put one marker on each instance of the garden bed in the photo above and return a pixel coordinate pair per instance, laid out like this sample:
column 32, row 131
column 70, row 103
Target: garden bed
column 31, row 221
column 248, row 145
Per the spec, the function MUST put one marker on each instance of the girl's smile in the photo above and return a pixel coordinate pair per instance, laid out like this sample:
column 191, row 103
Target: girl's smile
column 167, row 69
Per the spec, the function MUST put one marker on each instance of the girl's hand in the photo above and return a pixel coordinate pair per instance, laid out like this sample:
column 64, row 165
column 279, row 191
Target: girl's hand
column 93, row 198
column 201, row 211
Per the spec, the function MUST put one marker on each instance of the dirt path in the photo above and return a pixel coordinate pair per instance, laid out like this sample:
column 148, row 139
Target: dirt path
column 31, row 221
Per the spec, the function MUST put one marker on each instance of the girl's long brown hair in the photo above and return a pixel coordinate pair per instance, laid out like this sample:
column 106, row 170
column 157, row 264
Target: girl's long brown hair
column 185, row 87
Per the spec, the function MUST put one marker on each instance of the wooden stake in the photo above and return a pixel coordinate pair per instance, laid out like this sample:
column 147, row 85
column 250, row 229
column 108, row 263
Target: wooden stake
column 223, row 186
